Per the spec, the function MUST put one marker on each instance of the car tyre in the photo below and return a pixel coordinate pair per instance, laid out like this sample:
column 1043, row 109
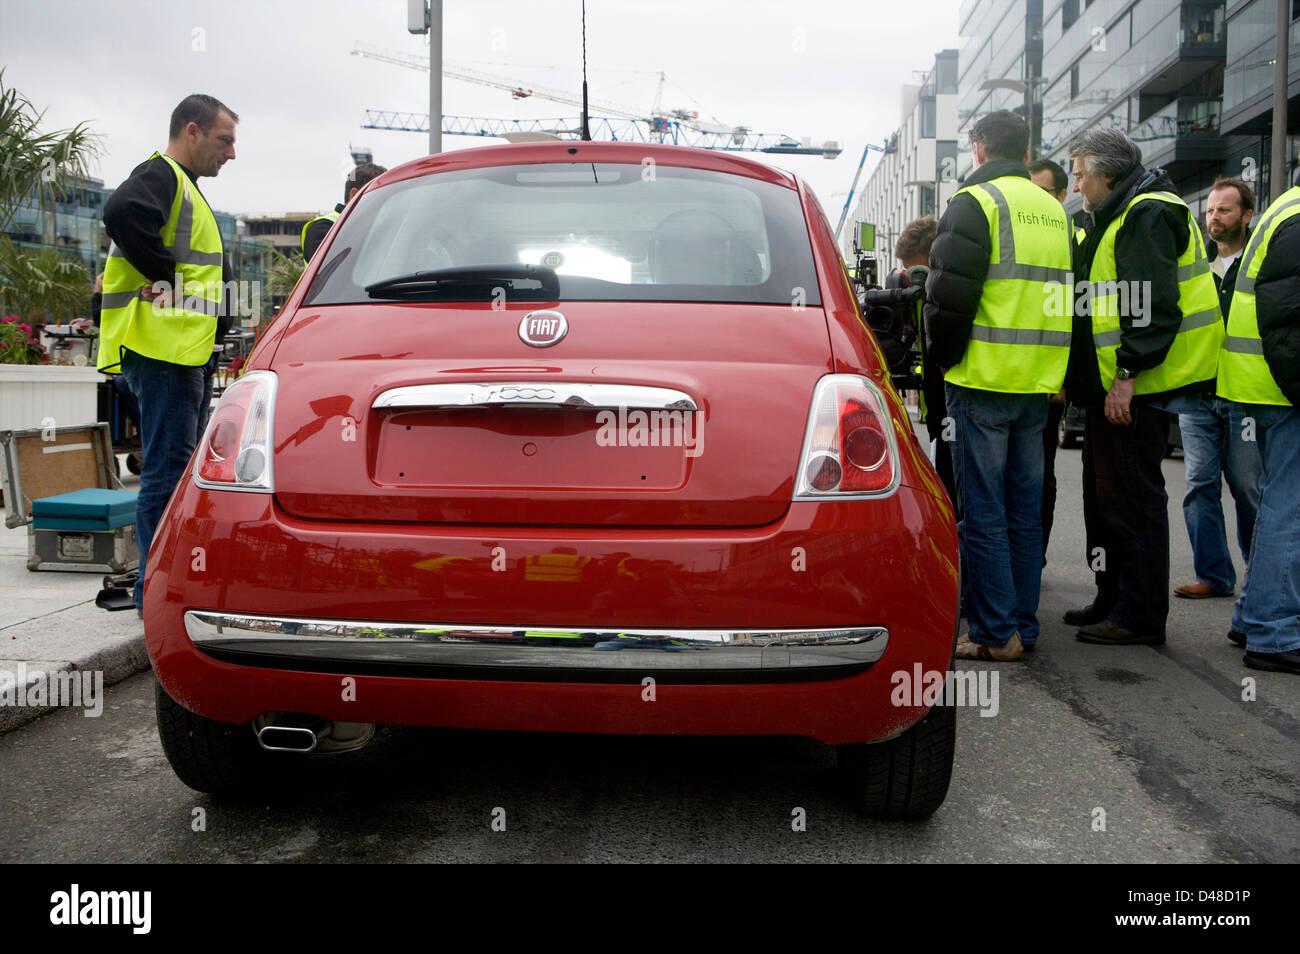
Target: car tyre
column 135, row 462
column 1064, row 438
column 907, row 776
column 219, row 758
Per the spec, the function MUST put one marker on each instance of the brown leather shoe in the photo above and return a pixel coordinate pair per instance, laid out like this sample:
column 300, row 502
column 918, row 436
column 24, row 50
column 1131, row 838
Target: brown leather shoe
column 966, row 649
column 1200, row 591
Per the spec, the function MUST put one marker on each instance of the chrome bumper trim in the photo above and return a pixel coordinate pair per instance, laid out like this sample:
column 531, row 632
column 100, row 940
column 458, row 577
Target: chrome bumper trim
column 523, row 649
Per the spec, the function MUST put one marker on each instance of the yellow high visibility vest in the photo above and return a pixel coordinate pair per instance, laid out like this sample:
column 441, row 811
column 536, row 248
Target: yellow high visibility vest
column 1194, row 355
column 331, row 217
column 1020, row 342
column 1243, row 373
column 183, row 334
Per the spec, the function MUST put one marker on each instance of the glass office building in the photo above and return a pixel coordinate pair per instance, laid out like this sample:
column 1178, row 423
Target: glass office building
column 1153, row 69
column 75, row 226
column 1000, row 66
column 1184, row 78
column 1248, row 90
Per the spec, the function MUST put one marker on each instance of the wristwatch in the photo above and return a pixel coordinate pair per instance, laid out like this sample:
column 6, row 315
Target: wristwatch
column 1124, row 374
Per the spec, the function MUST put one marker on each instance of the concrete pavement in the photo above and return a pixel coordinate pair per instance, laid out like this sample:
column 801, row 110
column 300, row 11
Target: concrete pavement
column 49, row 623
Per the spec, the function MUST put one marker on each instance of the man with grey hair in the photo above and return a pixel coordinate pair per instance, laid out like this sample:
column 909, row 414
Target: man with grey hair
column 1147, row 327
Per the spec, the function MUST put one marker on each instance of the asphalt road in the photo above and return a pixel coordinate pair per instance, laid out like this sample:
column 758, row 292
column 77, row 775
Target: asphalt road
column 1159, row 739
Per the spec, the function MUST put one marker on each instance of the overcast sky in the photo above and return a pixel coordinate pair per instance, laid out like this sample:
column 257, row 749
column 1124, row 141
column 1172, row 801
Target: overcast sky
column 825, row 69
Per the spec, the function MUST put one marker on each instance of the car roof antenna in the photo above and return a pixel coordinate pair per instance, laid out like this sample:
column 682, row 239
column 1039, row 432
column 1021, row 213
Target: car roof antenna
column 586, row 120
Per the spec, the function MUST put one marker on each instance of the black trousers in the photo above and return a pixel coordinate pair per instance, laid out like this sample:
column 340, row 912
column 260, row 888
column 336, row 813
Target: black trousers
column 1126, row 516
column 1054, row 413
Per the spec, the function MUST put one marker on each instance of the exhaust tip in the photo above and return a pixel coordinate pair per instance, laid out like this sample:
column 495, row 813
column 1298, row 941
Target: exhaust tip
column 289, row 738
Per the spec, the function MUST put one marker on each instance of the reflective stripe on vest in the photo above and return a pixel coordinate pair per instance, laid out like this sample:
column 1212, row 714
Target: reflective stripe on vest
column 1194, row 354
column 330, row 217
column 1244, row 375
column 1020, row 341
column 183, row 334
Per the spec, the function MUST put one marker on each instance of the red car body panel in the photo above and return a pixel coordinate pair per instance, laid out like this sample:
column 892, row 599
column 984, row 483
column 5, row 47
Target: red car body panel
column 258, row 560
column 710, row 549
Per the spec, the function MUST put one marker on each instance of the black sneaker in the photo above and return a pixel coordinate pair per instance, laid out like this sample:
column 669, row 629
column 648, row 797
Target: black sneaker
column 1236, row 638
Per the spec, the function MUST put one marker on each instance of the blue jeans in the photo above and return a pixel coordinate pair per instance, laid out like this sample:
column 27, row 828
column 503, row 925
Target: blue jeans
column 998, row 462
column 1213, row 444
column 1268, row 610
column 170, row 396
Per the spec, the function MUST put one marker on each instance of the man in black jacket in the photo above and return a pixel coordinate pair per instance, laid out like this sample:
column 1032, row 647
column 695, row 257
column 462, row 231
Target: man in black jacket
column 314, row 232
column 1138, row 235
column 1259, row 370
column 999, row 330
column 174, row 397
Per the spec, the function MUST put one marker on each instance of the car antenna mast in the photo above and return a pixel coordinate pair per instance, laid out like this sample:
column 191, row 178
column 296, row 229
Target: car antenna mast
column 586, row 121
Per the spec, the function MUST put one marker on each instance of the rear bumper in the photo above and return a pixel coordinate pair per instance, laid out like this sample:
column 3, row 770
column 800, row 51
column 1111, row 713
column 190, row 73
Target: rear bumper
column 460, row 651
column 884, row 571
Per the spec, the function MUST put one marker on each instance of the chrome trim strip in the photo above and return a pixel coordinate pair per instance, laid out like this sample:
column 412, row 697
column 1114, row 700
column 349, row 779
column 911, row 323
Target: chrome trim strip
column 534, row 394
column 588, row 648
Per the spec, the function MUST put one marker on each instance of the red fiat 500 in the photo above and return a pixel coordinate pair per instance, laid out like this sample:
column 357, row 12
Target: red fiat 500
column 563, row 437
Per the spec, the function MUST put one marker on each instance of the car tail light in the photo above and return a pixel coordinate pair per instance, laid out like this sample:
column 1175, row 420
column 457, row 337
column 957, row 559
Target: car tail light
column 849, row 448
column 235, row 453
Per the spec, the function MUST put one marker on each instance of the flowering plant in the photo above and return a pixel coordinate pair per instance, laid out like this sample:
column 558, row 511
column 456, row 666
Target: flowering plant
column 19, row 344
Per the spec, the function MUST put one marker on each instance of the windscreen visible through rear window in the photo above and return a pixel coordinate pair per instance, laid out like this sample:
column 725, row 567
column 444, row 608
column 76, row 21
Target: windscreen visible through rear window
column 611, row 232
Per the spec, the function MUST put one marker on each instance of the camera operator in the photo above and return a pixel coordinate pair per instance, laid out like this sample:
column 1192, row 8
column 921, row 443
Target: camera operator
column 913, row 250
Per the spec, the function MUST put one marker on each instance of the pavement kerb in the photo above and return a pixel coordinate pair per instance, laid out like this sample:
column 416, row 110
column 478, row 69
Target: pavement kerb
column 118, row 657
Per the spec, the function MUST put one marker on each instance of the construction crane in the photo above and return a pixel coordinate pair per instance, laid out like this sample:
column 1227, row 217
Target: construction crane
column 844, row 213
column 619, row 124
column 455, row 71
column 658, row 130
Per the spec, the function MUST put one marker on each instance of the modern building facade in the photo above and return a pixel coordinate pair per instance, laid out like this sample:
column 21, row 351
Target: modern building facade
column 1189, row 80
column 1153, row 69
column 917, row 174
column 283, row 232
column 1000, row 67
column 75, row 226
column 1248, row 91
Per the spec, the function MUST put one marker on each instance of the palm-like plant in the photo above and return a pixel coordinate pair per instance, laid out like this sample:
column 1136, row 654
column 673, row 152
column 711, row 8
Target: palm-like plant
column 34, row 163
column 283, row 275
column 42, row 286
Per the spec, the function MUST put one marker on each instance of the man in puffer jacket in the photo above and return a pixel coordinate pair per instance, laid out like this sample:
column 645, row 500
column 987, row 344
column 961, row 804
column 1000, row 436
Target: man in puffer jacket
column 1259, row 370
column 998, row 323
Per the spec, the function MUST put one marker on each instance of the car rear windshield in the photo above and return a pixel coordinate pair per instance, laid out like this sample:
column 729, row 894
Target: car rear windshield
column 610, row 231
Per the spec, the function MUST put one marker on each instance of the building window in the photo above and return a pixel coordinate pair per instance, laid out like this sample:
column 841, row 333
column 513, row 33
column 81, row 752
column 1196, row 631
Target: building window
column 947, row 79
column 1074, row 81
column 945, row 156
column 1203, row 23
column 927, row 119
column 1069, row 13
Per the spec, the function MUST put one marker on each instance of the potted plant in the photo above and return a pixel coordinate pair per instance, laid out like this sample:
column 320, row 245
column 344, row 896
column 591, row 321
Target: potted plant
column 43, row 284
column 35, row 392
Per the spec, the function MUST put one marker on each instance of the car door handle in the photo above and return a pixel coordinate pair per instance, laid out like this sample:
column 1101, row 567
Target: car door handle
column 558, row 394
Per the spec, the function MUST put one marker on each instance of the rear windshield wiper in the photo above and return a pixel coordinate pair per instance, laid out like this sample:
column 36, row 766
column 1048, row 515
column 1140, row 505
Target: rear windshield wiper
column 458, row 278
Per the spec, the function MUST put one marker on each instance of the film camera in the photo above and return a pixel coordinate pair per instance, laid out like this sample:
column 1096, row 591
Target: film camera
column 893, row 314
